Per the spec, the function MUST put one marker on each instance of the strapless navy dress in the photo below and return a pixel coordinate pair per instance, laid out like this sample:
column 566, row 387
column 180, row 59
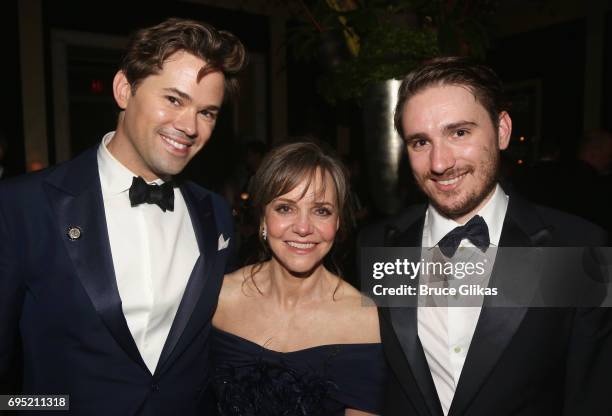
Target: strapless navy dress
column 250, row 380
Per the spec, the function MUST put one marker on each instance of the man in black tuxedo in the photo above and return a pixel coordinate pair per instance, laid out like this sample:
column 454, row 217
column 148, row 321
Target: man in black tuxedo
column 110, row 267
column 482, row 361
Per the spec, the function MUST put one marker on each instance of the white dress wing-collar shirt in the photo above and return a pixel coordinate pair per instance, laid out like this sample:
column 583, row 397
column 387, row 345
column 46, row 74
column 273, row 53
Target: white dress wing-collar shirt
column 153, row 255
column 446, row 332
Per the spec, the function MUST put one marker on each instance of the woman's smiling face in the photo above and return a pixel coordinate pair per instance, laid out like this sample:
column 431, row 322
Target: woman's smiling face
column 301, row 225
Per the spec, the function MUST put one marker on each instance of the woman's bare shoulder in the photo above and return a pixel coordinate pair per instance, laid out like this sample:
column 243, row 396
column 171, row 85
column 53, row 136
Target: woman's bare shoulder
column 358, row 316
column 232, row 283
column 231, row 295
column 351, row 297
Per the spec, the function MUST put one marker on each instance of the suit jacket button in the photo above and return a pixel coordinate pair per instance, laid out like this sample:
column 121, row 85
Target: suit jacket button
column 155, row 387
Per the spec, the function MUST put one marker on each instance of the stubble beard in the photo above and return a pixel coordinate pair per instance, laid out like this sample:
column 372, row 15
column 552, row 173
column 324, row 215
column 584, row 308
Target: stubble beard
column 473, row 198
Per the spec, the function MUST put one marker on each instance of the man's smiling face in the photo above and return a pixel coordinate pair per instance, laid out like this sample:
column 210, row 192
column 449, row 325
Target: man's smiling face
column 453, row 147
column 168, row 117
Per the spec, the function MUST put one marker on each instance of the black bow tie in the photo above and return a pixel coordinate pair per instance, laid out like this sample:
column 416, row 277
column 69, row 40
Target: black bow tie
column 475, row 230
column 142, row 192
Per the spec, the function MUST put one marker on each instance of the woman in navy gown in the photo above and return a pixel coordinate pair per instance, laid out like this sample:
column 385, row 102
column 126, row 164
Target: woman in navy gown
column 290, row 337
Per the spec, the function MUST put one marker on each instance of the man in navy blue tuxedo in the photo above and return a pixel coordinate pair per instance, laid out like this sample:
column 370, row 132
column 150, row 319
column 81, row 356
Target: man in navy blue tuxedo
column 110, row 267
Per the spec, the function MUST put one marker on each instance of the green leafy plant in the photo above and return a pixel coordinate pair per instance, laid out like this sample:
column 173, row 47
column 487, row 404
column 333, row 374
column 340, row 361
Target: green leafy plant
column 358, row 42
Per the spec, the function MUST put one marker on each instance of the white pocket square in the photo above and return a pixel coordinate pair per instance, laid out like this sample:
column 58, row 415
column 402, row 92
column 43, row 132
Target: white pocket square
column 223, row 243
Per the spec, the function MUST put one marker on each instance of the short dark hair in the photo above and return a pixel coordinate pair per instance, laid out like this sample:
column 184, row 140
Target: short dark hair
column 453, row 70
column 149, row 48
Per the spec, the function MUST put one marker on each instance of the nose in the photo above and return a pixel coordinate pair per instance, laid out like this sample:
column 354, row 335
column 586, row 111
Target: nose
column 187, row 122
column 302, row 225
column 441, row 158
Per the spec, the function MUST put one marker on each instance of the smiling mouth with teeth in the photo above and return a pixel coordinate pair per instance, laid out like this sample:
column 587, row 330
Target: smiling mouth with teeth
column 174, row 143
column 302, row 246
column 451, row 181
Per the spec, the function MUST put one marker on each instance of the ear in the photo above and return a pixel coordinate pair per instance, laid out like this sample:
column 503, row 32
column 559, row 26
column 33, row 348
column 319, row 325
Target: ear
column 122, row 90
column 504, row 131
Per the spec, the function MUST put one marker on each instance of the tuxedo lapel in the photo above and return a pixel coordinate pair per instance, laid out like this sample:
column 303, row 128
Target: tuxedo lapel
column 411, row 236
column 200, row 209
column 76, row 197
column 405, row 325
column 497, row 326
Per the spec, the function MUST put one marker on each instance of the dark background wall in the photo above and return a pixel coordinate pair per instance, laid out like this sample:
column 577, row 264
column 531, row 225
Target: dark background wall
column 555, row 57
column 10, row 106
column 607, row 81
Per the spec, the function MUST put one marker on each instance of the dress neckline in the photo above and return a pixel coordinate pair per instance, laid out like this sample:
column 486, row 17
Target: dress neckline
column 303, row 350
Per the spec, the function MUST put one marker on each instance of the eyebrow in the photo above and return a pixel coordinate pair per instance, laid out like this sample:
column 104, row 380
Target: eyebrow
column 463, row 123
column 446, row 129
column 180, row 93
column 319, row 203
column 187, row 97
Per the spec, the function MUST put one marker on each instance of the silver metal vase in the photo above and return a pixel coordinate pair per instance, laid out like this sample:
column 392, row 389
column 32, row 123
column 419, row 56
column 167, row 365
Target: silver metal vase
column 383, row 146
